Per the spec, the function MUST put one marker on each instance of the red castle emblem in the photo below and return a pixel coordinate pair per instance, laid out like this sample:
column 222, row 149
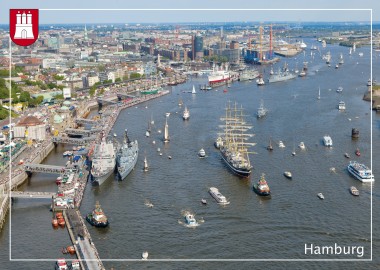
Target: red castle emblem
column 23, row 26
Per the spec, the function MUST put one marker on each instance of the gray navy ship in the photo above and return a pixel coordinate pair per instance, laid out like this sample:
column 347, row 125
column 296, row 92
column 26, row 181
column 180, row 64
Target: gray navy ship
column 127, row 156
column 282, row 75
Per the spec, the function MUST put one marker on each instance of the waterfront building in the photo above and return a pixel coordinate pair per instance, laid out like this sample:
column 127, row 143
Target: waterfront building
column 30, row 127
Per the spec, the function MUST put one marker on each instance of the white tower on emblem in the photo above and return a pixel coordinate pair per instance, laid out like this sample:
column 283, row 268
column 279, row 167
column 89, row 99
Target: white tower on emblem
column 24, row 26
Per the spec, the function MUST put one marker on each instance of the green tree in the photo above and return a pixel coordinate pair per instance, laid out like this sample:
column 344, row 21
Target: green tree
column 92, row 90
column 24, row 96
column 135, row 76
column 58, row 77
column 118, row 80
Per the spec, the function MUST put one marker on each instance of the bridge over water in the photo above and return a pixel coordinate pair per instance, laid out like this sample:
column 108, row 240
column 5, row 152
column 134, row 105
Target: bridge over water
column 31, row 167
column 83, row 132
column 30, row 194
column 85, row 121
column 77, row 141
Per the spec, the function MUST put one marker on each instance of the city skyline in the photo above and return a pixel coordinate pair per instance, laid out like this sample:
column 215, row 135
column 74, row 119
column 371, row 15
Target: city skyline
column 146, row 11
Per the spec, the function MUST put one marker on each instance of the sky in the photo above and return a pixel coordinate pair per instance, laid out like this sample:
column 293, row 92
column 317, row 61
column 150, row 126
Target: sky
column 117, row 16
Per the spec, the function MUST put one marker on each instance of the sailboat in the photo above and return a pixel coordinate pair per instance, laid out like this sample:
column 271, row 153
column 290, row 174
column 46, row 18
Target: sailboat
column 146, row 167
column 180, row 102
column 166, row 133
column 193, row 92
column 148, row 130
column 294, row 149
column 234, row 150
column 151, row 119
column 270, row 147
column 319, row 93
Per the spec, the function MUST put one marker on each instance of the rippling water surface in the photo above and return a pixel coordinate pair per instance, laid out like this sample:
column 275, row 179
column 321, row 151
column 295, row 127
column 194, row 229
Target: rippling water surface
column 251, row 227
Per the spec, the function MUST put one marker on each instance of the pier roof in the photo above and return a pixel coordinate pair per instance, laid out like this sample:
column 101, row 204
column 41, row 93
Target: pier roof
column 30, row 121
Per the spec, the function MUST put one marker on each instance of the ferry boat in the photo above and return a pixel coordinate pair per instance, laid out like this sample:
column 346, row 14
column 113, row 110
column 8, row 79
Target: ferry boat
column 354, row 191
column 127, row 156
column 103, row 162
column 220, row 199
column 360, row 172
column 97, row 217
column 234, row 150
column 327, row 141
column 190, row 220
column 186, row 114
column 261, row 111
column 61, row 264
column 341, row 105
column 262, row 188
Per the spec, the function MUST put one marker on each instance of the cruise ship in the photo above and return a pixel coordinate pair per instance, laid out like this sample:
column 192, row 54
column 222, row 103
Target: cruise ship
column 214, row 192
column 327, row 141
column 281, row 75
column 219, row 76
column 127, row 156
column 360, row 172
column 103, row 162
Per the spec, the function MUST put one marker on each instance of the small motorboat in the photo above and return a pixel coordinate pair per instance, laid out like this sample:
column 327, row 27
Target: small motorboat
column 144, row 255
column 20, row 162
column 281, row 144
column 202, row 153
column 302, row 145
column 115, row 135
column 190, row 220
column 354, row 191
column 71, row 250
column 167, row 114
column 288, row 175
column 64, row 251
column 203, row 201
column 54, row 222
column 67, row 153
column 270, row 147
column 293, row 153
column 346, row 155
column 169, row 157
column 75, row 265
column 357, row 152
column 61, row 222
column 320, row 195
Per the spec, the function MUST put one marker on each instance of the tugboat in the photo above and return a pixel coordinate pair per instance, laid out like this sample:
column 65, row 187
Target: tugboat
column 97, row 217
column 262, row 188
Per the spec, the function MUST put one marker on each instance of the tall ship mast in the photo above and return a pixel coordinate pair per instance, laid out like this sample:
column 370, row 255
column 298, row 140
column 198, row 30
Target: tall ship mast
column 166, row 133
column 235, row 148
column 127, row 156
column 103, row 162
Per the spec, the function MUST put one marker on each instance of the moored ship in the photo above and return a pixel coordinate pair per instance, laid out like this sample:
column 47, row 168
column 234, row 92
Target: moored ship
column 234, row 149
column 360, row 172
column 219, row 76
column 248, row 75
column 103, row 162
column 97, row 217
column 281, row 75
column 127, row 156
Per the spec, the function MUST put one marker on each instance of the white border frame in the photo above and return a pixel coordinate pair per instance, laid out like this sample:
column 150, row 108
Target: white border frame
column 193, row 260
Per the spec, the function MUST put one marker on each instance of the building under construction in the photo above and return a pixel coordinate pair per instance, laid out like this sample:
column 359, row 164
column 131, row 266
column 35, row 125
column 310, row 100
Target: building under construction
column 261, row 52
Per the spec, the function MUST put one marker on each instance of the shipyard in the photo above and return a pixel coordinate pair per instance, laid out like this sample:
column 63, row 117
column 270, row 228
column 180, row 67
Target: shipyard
column 121, row 134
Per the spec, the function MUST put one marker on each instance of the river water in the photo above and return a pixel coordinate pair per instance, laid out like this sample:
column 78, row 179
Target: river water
column 251, row 227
